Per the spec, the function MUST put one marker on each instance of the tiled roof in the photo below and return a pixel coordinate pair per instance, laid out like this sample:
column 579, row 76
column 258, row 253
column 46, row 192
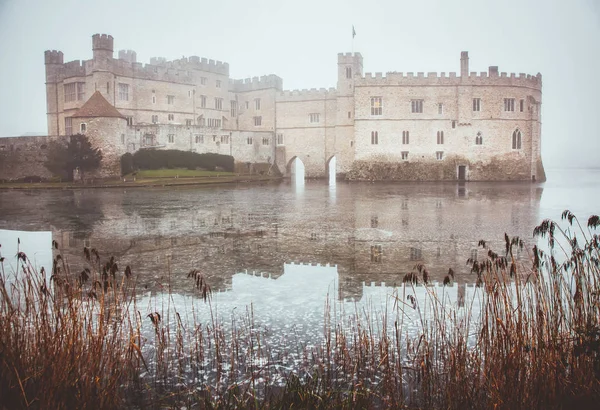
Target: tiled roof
column 97, row 106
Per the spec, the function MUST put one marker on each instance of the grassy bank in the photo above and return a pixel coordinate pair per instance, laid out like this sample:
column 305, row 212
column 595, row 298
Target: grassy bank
column 80, row 340
column 148, row 179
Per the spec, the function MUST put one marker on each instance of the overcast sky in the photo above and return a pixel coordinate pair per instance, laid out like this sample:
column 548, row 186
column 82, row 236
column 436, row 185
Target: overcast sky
column 299, row 41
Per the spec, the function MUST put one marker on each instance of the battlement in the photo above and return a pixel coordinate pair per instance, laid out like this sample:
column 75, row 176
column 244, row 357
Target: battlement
column 349, row 58
column 128, row 55
column 305, row 94
column 73, row 69
column 255, row 83
column 192, row 63
column 53, row 57
column 434, row 78
column 102, row 42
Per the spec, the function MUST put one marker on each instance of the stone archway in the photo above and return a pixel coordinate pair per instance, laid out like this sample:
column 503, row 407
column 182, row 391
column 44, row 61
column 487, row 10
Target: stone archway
column 331, row 168
column 295, row 169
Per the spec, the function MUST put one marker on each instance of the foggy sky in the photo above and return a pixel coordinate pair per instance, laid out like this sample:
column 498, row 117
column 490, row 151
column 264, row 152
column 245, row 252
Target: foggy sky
column 299, row 41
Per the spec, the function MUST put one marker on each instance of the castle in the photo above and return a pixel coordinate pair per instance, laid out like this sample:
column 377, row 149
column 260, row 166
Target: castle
column 398, row 126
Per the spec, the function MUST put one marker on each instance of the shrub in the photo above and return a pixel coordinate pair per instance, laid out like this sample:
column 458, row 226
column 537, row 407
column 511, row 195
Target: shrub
column 157, row 159
column 127, row 164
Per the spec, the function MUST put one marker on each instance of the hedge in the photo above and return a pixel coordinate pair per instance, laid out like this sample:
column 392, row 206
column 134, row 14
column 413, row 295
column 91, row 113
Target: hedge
column 157, row 159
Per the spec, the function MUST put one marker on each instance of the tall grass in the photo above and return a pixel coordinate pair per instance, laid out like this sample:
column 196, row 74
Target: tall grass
column 528, row 337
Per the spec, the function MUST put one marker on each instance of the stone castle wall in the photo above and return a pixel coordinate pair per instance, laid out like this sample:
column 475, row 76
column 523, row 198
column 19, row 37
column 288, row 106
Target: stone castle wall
column 193, row 99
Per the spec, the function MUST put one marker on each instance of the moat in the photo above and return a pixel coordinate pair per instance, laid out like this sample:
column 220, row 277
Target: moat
column 287, row 247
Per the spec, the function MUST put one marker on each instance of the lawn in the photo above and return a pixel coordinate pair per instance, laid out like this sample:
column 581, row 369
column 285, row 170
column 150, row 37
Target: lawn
column 177, row 172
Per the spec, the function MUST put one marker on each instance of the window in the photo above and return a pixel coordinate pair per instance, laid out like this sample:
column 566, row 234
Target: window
column 349, row 114
column 440, row 108
column 170, row 99
column 70, row 92
column 218, row 103
column 148, row 139
column 509, row 104
column 374, row 222
column 214, row 137
column 374, row 137
column 171, row 138
column 348, row 72
column 376, row 106
column 257, row 104
column 521, row 105
column 415, row 254
column 439, row 155
column 479, row 139
column 81, row 91
column 171, row 117
column 218, row 84
column 453, row 124
column 440, row 137
column 201, row 121
column 405, row 155
column 416, row 106
column 257, row 121
column 68, row 126
column 123, row 92
column 122, row 138
column 190, row 92
column 313, row 117
column 107, row 87
column 224, row 139
column 199, row 139
column 214, row 123
column 203, row 101
column 155, row 119
column 516, row 139
column 82, row 127
column 233, row 104
column 249, row 140
column 129, row 120
column 247, row 104
column 405, row 137
column 203, row 80
column 279, row 139
column 188, row 122
column 266, row 141
column 477, row 104
column 376, row 253
column 154, row 99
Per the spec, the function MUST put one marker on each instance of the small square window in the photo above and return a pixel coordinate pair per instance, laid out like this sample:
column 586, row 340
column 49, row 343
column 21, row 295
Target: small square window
column 509, row 104
column 218, row 84
column 203, row 80
column 170, row 99
column 416, row 106
column 439, row 155
column 171, row 138
column 405, row 155
column 257, row 121
column 313, row 118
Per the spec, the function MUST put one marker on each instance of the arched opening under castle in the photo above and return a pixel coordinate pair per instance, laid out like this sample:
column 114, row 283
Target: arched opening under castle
column 295, row 168
column 330, row 168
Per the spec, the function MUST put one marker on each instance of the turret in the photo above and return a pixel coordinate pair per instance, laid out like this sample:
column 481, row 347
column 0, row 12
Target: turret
column 53, row 60
column 349, row 66
column 464, row 64
column 128, row 55
column 102, row 46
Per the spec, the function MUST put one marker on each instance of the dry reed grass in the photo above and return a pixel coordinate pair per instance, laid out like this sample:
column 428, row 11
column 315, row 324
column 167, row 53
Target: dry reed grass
column 76, row 341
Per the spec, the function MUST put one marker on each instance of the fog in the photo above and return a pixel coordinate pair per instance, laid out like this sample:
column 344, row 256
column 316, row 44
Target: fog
column 299, row 41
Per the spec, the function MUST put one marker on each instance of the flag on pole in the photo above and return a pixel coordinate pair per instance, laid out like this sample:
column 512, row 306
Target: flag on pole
column 353, row 32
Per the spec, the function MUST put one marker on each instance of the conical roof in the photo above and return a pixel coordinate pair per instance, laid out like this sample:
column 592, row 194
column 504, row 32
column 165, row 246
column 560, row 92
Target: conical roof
column 97, row 106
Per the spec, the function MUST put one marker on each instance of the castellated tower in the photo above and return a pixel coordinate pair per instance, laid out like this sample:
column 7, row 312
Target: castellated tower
column 349, row 66
column 102, row 46
column 53, row 60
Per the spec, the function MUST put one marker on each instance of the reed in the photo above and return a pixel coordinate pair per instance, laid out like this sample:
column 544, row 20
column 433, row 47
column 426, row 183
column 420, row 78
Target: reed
column 528, row 337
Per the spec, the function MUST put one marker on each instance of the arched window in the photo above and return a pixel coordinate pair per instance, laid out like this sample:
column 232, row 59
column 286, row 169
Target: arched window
column 479, row 139
column 440, row 137
column 516, row 139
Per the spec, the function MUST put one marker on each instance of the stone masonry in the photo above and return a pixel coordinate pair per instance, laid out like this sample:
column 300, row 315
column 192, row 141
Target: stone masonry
column 397, row 126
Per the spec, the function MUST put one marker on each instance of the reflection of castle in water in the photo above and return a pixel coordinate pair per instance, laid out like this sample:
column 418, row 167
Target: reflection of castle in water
column 372, row 232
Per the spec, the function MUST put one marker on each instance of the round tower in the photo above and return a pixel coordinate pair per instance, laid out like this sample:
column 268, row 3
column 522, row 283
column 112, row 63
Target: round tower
column 102, row 46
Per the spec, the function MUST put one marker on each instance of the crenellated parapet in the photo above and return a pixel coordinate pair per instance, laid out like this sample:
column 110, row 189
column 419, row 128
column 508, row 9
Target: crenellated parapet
column 73, row 69
column 451, row 79
column 128, row 55
column 192, row 63
column 256, row 83
column 305, row 94
column 53, row 57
